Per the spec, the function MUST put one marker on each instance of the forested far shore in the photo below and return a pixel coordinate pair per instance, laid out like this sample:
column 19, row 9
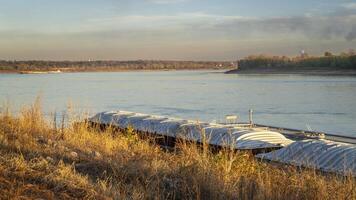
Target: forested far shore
column 78, row 66
column 344, row 63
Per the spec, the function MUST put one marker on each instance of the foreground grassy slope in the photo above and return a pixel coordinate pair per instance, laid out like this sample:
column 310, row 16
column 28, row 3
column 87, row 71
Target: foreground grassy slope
column 40, row 161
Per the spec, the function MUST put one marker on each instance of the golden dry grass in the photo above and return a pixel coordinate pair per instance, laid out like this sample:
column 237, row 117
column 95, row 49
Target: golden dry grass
column 40, row 161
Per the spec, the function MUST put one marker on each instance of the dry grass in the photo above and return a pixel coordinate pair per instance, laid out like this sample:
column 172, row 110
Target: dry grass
column 40, row 161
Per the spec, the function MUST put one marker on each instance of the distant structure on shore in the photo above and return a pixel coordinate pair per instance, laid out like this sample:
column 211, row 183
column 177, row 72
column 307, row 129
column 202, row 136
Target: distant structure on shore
column 41, row 72
column 303, row 54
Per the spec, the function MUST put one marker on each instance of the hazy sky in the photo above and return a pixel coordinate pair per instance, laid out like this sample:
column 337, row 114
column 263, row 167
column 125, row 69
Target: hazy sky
column 173, row 29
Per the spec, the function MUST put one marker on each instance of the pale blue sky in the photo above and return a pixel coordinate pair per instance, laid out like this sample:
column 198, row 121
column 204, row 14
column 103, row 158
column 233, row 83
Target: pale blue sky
column 173, row 29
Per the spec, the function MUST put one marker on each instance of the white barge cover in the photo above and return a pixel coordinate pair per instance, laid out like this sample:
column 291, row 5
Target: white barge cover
column 214, row 134
column 325, row 155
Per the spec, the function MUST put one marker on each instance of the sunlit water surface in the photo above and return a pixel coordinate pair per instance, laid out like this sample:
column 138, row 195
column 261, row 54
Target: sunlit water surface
column 304, row 102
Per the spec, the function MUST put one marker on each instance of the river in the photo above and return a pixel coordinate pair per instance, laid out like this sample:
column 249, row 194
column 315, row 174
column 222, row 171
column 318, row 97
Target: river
column 319, row 103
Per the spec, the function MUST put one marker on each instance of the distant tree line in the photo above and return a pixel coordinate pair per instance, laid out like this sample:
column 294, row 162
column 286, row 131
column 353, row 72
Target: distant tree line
column 38, row 65
column 302, row 62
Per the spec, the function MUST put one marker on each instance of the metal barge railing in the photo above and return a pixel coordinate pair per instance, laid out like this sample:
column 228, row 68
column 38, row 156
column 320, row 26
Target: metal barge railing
column 298, row 134
column 295, row 134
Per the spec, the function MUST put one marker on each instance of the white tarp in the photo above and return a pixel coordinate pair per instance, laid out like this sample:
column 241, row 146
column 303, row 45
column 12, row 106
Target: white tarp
column 324, row 155
column 170, row 127
column 151, row 124
column 124, row 119
column 214, row 134
column 103, row 118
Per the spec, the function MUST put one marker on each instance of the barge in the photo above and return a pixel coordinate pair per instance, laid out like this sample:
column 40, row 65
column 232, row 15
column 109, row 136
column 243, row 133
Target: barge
column 321, row 151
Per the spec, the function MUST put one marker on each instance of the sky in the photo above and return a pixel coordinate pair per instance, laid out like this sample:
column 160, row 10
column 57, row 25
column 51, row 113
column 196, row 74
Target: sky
column 173, row 29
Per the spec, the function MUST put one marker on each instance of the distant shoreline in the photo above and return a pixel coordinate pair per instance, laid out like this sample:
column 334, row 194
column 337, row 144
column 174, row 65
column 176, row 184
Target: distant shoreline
column 312, row 72
column 116, row 70
column 42, row 66
column 327, row 65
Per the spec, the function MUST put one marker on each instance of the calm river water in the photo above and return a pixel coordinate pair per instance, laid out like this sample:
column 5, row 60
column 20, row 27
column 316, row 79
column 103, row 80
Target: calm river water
column 304, row 102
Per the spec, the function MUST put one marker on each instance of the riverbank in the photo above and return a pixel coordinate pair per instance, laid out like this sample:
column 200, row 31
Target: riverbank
column 114, row 70
column 327, row 65
column 41, row 66
column 40, row 161
column 313, row 72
